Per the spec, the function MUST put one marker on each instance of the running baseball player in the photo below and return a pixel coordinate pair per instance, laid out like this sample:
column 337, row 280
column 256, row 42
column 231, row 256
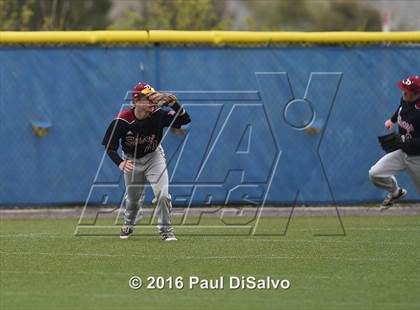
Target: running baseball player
column 403, row 148
column 139, row 130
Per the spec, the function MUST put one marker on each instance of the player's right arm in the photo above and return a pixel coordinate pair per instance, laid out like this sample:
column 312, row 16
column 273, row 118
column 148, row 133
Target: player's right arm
column 111, row 141
column 389, row 123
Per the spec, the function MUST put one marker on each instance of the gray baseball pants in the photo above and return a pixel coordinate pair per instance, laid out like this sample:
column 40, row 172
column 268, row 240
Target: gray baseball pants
column 148, row 169
column 382, row 174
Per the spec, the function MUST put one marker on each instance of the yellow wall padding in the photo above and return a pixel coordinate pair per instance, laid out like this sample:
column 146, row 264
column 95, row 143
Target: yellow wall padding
column 204, row 37
column 72, row 37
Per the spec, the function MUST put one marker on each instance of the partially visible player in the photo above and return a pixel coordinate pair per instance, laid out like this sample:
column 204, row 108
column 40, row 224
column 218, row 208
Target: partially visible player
column 139, row 130
column 407, row 155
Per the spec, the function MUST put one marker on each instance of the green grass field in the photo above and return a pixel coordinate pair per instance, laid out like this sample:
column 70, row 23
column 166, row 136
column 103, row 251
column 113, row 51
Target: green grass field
column 376, row 265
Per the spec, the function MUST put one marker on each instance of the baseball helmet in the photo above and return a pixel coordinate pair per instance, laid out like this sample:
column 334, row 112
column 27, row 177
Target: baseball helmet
column 141, row 90
column 411, row 84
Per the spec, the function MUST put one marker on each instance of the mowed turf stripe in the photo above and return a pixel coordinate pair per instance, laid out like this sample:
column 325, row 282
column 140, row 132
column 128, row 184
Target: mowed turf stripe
column 45, row 234
column 309, row 276
column 335, row 304
column 317, row 239
column 219, row 257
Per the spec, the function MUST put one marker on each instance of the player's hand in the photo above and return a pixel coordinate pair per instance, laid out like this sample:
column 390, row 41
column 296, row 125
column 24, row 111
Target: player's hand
column 126, row 166
column 389, row 124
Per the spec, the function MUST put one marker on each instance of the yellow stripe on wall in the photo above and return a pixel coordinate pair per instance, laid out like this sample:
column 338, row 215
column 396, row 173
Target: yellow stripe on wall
column 72, row 37
column 203, row 37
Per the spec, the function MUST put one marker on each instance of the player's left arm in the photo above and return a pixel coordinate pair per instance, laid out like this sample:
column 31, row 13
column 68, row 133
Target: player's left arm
column 181, row 115
column 394, row 141
column 177, row 119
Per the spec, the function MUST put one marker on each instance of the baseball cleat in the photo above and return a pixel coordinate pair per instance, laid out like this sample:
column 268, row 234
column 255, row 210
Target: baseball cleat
column 168, row 236
column 390, row 199
column 126, row 232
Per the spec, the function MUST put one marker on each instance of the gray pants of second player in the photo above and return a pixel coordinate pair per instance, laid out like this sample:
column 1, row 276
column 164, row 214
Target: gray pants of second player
column 383, row 172
column 149, row 169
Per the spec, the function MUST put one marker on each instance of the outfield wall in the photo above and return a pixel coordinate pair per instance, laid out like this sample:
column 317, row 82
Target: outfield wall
column 251, row 138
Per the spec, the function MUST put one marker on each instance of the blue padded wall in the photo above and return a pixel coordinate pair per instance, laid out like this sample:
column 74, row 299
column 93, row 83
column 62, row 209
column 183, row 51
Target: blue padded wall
column 246, row 143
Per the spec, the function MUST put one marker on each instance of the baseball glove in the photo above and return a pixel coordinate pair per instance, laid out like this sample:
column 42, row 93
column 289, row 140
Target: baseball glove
column 390, row 142
column 162, row 99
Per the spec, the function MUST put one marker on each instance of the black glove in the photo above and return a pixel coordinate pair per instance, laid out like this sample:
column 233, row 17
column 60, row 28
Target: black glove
column 390, row 142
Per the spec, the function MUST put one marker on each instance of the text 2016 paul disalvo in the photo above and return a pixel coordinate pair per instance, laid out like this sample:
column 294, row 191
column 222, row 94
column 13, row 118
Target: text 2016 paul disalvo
column 222, row 282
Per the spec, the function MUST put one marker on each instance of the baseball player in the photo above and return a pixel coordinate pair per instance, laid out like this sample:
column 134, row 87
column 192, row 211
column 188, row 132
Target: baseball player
column 403, row 149
column 139, row 131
